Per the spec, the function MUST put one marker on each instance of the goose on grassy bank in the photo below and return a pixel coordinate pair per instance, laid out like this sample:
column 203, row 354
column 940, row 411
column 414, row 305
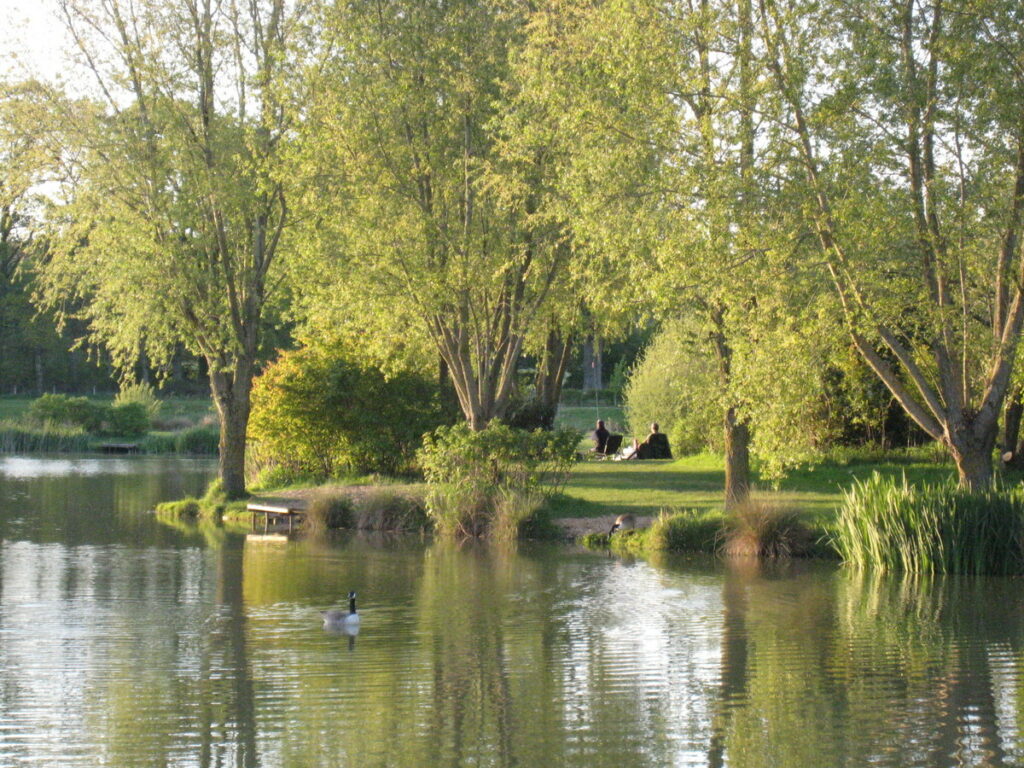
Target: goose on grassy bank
column 623, row 523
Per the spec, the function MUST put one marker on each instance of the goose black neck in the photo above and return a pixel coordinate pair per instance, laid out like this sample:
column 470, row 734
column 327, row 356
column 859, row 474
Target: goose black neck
column 352, row 604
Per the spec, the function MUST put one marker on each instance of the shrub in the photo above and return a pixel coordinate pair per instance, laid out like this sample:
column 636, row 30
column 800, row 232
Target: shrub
column 144, row 395
column 127, row 419
column 321, row 412
column 327, row 511
column 74, row 411
column 937, row 528
column 675, row 384
column 761, row 530
column 530, row 414
column 200, row 440
column 475, row 478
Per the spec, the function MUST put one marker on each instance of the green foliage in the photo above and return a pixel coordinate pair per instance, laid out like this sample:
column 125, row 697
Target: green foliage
column 675, row 384
column 318, row 413
column 163, row 235
column 530, row 414
column 197, row 440
column 74, row 411
column 492, row 480
column 127, row 419
column 936, row 528
column 439, row 229
column 328, row 510
column 141, row 393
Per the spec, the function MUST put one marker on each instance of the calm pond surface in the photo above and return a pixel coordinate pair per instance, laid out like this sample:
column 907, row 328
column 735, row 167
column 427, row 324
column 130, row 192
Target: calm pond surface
column 124, row 642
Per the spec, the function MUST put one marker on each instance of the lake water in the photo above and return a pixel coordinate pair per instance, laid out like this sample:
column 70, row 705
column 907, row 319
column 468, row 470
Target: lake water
column 124, row 642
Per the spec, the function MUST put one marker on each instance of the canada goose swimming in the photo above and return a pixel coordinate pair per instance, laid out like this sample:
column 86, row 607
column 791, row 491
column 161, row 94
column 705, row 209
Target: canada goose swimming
column 340, row 618
column 623, row 523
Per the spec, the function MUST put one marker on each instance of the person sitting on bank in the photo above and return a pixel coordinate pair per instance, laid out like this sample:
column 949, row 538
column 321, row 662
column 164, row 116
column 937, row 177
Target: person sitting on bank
column 654, row 447
column 600, row 438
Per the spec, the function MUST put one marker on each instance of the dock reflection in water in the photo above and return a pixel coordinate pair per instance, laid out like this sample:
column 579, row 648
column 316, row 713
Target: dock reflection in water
column 152, row 646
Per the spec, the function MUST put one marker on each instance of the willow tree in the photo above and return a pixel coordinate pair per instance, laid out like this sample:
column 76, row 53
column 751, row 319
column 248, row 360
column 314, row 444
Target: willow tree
column 668, row 165
column 907, row 120
column 429, row 223
column 171, row 225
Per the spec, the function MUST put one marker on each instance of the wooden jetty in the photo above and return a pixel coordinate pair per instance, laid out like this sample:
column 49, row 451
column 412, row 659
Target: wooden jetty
column 119, row 448
column 278, row 510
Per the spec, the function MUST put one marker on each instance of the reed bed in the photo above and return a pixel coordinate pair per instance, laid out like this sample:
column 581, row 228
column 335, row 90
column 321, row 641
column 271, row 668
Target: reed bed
column 936, row 528
column 17, row 437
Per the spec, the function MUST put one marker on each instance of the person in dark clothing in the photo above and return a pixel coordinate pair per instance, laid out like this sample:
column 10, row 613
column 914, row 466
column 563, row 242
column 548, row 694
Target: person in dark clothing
column 600, row 437
column 654, row 447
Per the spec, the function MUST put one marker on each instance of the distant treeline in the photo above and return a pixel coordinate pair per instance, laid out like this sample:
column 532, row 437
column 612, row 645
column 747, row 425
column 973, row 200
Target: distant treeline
column 36, row 357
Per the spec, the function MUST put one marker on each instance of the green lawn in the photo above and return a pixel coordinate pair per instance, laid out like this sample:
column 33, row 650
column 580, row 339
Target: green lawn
column 598, row 488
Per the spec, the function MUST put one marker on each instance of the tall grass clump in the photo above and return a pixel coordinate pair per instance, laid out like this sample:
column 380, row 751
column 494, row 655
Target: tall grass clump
column 384, row 509
column 327, row 511
column 685, row 530
column 495, row 480
column 937, row 528
column 674, row 530
column 758, row 529
column 18, row 437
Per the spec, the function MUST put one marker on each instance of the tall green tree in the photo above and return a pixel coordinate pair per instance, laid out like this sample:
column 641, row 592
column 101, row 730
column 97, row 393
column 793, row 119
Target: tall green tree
column 431, row 225
column 172, row 223
column 667, row 167
column 907, row 122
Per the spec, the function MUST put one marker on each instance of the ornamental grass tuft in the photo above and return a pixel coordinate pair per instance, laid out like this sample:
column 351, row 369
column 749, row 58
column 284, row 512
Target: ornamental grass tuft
column 759, row 529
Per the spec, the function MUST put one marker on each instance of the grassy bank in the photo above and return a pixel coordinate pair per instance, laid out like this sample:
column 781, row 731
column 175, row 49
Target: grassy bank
column 602, row 489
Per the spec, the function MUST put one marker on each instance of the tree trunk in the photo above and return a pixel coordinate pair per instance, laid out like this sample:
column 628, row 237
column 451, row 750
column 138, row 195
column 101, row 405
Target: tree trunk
column 551, row 370
column 1011, row 430
column 592, row 364
column 737, row 460
column 973, row 457
column 38, row 360
column 450, row 408
column 231, row 395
